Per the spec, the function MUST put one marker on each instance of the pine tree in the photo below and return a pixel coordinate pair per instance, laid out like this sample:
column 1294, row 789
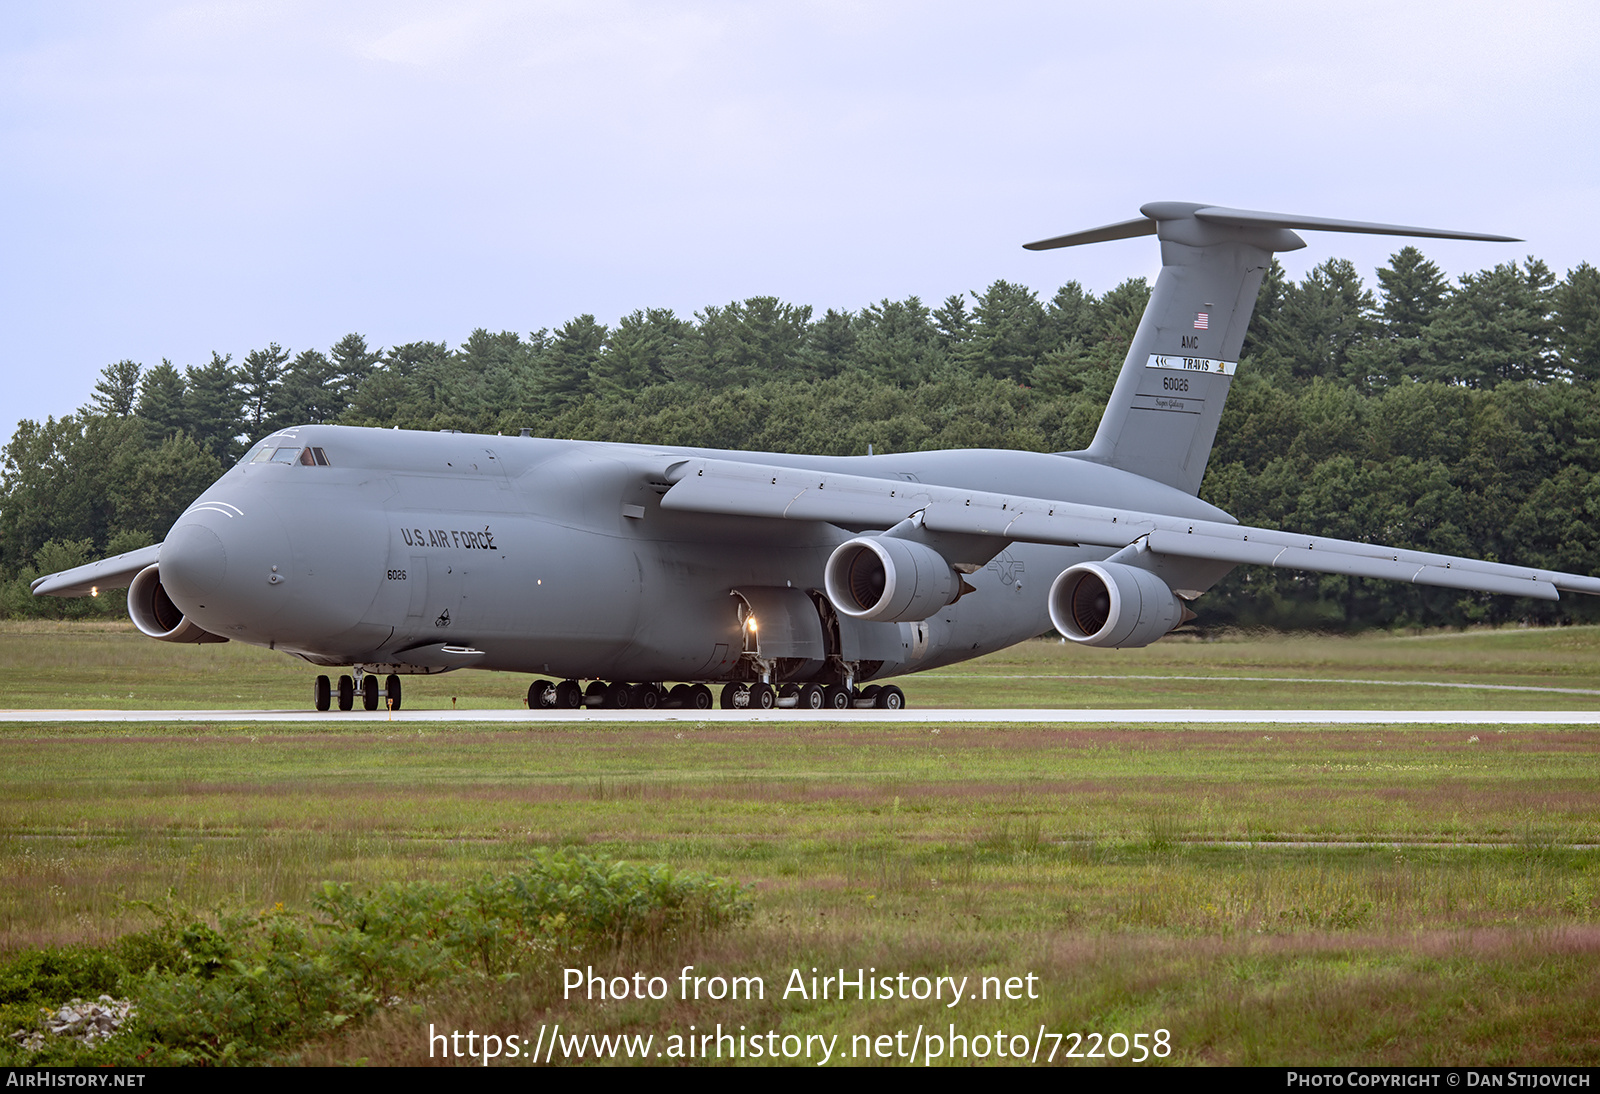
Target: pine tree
column 117, row 390
column 161, row 401
column 1577, row 319
column 213, row 406
column 643, row 350
column 308, row 393
column 1010, row 332
column 353, row 362
column 952, row 321
column 259, row 377
column 1494, row 326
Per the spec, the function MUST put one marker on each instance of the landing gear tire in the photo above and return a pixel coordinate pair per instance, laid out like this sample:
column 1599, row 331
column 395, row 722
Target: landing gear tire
column 620, row 696
column 646, row 696
column 538, row 694
column 836, row 697
column 890, row 698
column 321, row 693
column 763, row 697
column 679, row 696
column 595, row 694
column 347, row 693
column 812, row 697
column 869, row 694
column 369, row 692
column 568, row 695
column 735, row 696
column 699, row 698
column 391, row 691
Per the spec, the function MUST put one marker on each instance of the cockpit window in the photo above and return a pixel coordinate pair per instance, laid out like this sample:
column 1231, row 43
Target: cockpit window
column 309, row 457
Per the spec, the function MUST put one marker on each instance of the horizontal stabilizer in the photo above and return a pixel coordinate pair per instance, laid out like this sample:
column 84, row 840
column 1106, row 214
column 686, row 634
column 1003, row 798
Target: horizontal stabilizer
column 1158, row 211
column 1246, row 218
column 1126, row 229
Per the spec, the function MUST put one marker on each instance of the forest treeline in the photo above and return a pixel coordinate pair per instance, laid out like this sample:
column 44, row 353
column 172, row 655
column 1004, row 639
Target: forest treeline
column 1449, row 416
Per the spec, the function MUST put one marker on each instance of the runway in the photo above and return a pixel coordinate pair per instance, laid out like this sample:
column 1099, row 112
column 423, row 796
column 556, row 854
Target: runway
column 927, row 716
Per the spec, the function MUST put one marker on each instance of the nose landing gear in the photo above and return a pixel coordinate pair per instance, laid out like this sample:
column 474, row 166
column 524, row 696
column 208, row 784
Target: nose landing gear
column 373, row 697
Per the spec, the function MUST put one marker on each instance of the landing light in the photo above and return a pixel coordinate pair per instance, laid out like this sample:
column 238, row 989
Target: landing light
column 94, row 590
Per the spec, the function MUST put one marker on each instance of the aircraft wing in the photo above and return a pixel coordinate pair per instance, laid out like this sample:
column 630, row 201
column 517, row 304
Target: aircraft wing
column 108, row 573
column 757, row 490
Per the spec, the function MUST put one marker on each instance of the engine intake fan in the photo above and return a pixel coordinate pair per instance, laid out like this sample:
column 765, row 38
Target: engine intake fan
column 883, row 579
column 156, row 616
column 1109, row 604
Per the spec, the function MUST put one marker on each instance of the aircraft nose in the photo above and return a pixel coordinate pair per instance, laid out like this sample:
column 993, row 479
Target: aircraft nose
column 223, row 565
column 194, row 563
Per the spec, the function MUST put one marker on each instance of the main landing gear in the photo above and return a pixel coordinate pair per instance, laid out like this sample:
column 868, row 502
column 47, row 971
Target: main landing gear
column 372, row 696
column 571, row 695
column 811, row 697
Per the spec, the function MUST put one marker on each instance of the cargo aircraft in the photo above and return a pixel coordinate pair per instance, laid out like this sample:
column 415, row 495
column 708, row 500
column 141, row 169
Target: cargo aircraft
column 785, row 580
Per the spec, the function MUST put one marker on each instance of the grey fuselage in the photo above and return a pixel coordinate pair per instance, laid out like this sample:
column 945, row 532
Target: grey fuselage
column 429, row 551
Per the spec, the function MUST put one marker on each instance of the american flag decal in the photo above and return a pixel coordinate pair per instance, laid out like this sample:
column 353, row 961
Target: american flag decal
column 1202, row 321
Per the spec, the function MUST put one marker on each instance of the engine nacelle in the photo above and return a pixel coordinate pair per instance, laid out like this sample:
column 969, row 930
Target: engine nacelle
column 156, row 616
column 886, row 580
column 1109, row 604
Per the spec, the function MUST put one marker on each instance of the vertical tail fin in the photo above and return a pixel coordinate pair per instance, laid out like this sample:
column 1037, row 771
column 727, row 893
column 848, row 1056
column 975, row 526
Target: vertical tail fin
column 1162, row 418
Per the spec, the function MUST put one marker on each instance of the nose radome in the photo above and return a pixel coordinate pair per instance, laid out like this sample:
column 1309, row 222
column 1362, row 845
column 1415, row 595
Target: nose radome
column 194, row 562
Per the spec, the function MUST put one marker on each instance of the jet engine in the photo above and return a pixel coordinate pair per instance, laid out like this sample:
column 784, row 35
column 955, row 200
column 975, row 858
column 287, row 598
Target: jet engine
column 882, row 579
column 156, row 616
column 1109, row 604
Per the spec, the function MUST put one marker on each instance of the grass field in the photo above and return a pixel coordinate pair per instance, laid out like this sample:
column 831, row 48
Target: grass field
column 1364, row 895
column 112, row 666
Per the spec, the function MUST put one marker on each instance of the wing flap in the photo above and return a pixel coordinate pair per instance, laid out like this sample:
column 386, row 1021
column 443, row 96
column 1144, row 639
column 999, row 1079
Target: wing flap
column 108, row 573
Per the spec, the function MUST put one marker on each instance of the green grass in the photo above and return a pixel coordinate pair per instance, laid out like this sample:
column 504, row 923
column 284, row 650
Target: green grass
column 112, row 666
column 1446, row 910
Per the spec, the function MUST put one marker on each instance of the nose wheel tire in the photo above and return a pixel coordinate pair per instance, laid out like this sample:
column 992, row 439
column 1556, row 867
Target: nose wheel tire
column 369, row 692
column 347, row 693
column 322, row 693
column 391, row 691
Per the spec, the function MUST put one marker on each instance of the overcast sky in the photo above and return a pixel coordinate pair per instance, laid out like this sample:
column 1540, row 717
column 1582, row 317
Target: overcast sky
column 177, row 178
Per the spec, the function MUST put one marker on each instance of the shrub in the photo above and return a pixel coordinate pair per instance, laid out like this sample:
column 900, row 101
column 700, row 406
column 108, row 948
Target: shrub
column 248, row 988
column 56, row 975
